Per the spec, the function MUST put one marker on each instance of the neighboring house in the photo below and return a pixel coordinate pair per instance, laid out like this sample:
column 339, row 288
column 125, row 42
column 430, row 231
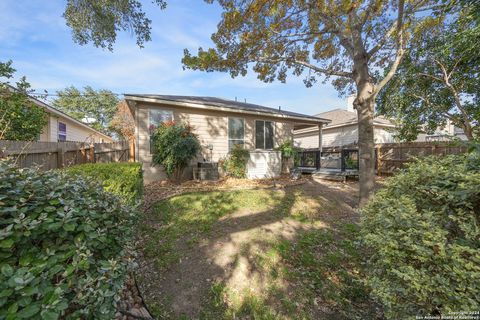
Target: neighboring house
column 343, row 130
column 219, row 125
column 62, row 127
column 446, row 133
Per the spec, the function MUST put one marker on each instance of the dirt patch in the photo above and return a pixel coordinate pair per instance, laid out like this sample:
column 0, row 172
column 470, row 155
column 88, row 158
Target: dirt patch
column 232, row 250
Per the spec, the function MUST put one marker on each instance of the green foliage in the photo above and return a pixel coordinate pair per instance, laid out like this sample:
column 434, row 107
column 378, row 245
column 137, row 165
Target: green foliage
column 310, row 40
column 63, row 245
column 122, row 179
column 20, row 118
column 438, row 80
column 235, row 164
column 99, row 21
column 423, row 235
column 174, row 146
column 87, row 105
column 289, row 150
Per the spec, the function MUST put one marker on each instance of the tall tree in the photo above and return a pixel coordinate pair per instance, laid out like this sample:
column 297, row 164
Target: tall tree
column 438, row 80
column 123, row 122
column 93, row 107
column 100, row 21
column 20, row 118
column 349, row 40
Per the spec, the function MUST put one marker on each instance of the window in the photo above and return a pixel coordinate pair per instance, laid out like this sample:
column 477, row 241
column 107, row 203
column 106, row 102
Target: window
column 236, row 132
column 62, row 131
column 263, row 134
column 155, row 118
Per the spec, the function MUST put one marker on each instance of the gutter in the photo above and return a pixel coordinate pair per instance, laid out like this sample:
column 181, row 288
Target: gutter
column 216, row 108
column 345, row 124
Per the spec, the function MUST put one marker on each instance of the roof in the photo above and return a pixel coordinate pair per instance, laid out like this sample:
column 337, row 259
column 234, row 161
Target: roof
column 341, row 117
column 222, row 104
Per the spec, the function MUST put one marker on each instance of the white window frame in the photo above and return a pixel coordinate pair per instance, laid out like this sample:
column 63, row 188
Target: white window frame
column 228, row 131
column 58, row 131
column 157, row 124
column 274, row 126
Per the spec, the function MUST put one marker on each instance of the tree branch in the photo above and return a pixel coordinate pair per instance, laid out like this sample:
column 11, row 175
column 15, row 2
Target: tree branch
column 400, row 50
column 329, row 72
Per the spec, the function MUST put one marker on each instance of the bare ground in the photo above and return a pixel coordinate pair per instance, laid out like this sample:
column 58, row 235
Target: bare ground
column 227, row 254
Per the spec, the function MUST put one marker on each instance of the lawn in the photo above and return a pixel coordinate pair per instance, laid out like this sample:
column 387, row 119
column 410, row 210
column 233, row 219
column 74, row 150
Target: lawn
column 263, row 254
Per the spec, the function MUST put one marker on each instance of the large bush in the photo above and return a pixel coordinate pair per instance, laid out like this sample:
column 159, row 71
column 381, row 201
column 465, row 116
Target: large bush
column 123, row 179
column 423, row 234
column 63, row 244
column 174, row 146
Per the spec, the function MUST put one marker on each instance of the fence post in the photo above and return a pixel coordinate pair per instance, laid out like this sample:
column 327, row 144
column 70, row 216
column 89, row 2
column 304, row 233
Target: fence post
column 92, row 153
column 84, row 154
column 61, row 156
column 131, row 150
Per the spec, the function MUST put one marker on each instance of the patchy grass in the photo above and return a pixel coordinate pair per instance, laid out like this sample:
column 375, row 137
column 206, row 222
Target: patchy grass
column 317, row 276
column 267, row 254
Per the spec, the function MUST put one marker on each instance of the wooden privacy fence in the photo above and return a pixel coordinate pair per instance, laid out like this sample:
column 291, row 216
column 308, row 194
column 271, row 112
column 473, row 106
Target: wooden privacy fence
column 53, row 155
column 393, row 156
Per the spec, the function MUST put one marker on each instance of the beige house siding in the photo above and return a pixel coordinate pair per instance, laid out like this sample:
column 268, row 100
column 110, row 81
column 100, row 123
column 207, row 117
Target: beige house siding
column 211, row 128
column 339, row 136
column 383, row 135
column 75, row 132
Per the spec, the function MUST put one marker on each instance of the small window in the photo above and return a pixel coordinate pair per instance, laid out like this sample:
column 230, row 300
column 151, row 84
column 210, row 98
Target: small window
column 155, row 118
column 62, row 131
column 263, row 134
column 236, row 132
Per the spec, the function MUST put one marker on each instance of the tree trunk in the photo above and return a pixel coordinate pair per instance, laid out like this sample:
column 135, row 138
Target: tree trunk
column 366, row 146
column 467, row 130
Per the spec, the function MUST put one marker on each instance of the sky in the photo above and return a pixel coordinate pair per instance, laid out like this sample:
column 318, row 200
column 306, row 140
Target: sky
column 34, row 35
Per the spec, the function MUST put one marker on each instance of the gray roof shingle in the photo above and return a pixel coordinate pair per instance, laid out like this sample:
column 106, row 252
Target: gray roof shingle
column 225, row 103
column 342, row 116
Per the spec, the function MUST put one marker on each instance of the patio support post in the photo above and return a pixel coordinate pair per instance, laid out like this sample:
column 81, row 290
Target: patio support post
column 319, row 164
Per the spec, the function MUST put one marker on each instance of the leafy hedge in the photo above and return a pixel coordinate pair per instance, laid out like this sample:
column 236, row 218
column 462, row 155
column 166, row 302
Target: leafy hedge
column 123, row 179
column 63, row 244
column 235, row 164
column 423, row 234
column 174, row 145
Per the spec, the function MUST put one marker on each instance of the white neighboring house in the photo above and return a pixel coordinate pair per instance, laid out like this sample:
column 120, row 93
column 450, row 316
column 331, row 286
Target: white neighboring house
column 62, row 127
column 342, row 130
column 446, row 133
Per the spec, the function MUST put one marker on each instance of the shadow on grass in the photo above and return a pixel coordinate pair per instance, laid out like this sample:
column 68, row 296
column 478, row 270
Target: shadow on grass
column 261, row 254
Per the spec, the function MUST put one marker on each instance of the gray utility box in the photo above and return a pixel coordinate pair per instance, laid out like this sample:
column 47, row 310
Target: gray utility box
column 206, row 171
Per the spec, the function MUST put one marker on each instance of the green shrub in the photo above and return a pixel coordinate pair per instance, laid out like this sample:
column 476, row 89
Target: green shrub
column 63, row 245
column 423, row 234
column 235, row 164
column 123, row 179
column 288, row 149
column 174, row 146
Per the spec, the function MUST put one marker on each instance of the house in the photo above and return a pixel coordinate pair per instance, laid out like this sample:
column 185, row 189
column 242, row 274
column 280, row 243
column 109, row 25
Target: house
column 219, row 124
column 343, row 129
column 62, row 127
column 448, row 132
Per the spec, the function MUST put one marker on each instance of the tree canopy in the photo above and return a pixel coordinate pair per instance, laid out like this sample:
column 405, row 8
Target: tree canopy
column 20, row 118
column 351, row 41
column 438, row 80
column 95, row 108
column 99, row 22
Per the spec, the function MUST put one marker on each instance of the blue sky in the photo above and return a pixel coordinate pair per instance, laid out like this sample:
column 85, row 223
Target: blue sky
column 34, row 35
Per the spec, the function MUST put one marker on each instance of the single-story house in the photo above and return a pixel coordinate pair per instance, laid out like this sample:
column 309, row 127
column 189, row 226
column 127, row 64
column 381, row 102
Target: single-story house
column 343, row 129
column 219, row 124
column 62, row 127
